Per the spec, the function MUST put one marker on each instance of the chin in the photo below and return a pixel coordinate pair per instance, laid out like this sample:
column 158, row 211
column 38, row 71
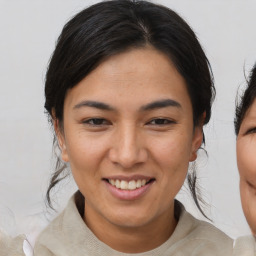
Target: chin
column 130, row 219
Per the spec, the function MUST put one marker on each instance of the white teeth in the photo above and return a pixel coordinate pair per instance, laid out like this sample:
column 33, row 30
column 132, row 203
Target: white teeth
column 125, row 185
column 132, row 185
column 138, row 185
column 117, row 184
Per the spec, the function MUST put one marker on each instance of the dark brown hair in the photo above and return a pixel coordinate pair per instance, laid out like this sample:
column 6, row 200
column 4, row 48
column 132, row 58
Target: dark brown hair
column 111, row 27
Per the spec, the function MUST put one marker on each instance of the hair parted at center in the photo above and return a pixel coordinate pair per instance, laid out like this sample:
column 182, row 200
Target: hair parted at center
column 111, row 27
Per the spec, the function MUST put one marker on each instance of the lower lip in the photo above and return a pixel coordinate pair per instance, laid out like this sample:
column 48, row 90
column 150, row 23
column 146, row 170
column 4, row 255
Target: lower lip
column 128, row 195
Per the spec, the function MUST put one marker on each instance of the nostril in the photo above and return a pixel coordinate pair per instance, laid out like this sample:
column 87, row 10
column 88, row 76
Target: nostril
column 127, row 157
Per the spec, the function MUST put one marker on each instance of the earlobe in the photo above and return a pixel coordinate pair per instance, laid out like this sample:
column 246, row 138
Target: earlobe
column 61, row 140
column 196, row 143
column 197, row 138
column 193, row 156
column 64, row 154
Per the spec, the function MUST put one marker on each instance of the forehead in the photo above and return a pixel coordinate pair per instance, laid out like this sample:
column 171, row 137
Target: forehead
column 138, row 76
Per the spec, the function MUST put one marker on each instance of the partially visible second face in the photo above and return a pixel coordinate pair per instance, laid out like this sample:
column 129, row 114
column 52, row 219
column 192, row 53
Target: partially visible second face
column 246, row 161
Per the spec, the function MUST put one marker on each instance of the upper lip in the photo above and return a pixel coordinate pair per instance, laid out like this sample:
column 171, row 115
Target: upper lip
column 129, row 178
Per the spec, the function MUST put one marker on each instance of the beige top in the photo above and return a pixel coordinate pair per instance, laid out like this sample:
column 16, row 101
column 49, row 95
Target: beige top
column 245, row 246
column 11, row 246
column 68, row 235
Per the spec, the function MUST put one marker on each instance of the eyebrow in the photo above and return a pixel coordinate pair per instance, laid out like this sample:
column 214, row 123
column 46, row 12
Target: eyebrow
column 93, row 104
column 150, row 106
column 161, row 104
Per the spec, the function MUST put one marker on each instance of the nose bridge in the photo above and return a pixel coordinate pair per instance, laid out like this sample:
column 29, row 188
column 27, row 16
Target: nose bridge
column 128, row 148
column 128, row 139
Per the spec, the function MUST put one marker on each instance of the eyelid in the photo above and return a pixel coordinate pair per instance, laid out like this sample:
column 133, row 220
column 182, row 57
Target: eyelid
column 250, row 131
column 167, row 120
column 93, row 119
column 251, row 185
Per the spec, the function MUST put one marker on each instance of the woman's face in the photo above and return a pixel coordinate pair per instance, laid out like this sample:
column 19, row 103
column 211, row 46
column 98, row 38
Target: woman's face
column 246, row 161
column 129, row 136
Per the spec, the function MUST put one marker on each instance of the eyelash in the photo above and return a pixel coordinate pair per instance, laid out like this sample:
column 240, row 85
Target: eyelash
column 250, row 131
column 163, row 121
column 97, row 122
column 251, row 186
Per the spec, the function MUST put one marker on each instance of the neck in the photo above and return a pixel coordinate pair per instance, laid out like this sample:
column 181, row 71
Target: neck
column 132, row 239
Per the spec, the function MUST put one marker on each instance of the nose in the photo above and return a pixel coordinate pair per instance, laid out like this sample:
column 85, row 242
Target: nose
column 128, row 147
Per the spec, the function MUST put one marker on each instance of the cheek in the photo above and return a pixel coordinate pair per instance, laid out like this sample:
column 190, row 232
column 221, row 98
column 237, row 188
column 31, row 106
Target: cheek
column 85, row 153
column 177, row 148
column 244, row 197
column 246, row 160
column 246, row 163
column 248, row 198
column 173, row 154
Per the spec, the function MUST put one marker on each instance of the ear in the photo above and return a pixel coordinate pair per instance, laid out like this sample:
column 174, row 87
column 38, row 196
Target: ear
column 61, row 140
column 197, row 138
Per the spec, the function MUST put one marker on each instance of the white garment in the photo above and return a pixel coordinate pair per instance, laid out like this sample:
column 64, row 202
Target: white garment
column 68, row 235
column 12, row 246
column 27, row 248
column 245, row 246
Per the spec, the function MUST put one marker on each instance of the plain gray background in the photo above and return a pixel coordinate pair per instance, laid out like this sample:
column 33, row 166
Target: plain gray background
column 29, row 29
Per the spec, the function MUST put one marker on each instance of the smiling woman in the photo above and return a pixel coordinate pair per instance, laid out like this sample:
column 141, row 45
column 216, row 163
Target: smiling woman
column 128, row 90
column 120, row 154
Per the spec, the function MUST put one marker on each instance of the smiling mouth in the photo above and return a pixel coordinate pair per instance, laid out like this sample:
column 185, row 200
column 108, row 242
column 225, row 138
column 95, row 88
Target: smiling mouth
column 129, row 185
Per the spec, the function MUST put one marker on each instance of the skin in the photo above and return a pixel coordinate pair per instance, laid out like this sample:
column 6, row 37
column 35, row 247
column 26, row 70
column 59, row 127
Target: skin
column 246, row 161
column 134, row 136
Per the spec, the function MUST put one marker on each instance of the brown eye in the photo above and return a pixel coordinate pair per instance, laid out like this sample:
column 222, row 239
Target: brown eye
column 161, row 121
column 96, row 121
